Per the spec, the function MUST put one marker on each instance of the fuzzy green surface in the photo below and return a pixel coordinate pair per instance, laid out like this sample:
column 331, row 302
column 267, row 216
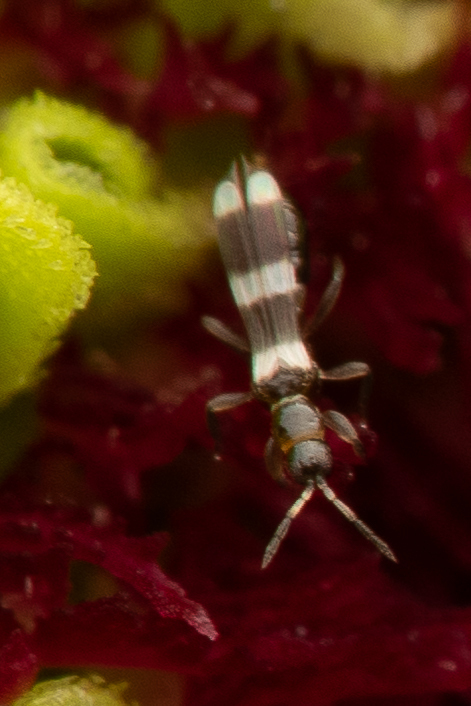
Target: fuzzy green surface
column 379, row 35
column 73, row 691
column 102, row 177
column 45, row 275
column 62, row 150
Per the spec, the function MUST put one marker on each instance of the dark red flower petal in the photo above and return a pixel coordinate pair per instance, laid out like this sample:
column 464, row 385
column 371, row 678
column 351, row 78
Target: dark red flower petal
column 98, row 541
column 118, row 429
column 18, row 664
column 320, row 629
column 70, row 52
column 121, row 631
column 201, row 91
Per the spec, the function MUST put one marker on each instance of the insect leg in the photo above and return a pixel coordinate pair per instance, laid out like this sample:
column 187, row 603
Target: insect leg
column 354, row 519
column 284, row 525
column 224, row 334
column 223, row 403
column 352, row 371
column 274, row 460
column 328, row 299
column 344, row 429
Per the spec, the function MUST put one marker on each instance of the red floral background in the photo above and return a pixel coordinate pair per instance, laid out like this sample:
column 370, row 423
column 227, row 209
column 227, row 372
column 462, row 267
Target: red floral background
column 122, row 473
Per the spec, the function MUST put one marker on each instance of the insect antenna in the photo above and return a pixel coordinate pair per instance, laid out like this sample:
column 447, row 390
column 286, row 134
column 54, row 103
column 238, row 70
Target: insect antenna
column 284, row 525
column 354, row 519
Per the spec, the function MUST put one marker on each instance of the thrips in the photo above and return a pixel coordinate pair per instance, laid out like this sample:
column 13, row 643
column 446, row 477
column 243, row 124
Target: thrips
column 260, row 247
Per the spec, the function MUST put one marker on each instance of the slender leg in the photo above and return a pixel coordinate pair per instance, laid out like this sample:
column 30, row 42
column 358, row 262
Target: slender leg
column 352, row 371
column 224, row 334
column 284, row 525
column 354, row 519
column 344, row 429
column 223, row 403
column 274, row 461
column 328, row 299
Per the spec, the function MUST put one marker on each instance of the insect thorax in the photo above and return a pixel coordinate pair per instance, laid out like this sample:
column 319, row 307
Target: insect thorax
column 285, row 382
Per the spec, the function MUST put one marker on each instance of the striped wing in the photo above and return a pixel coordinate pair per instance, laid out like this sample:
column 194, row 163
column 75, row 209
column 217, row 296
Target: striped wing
column 253, row 238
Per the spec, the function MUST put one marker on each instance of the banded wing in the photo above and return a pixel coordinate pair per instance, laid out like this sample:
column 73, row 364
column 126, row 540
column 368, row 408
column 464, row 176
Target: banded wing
column 254, row 241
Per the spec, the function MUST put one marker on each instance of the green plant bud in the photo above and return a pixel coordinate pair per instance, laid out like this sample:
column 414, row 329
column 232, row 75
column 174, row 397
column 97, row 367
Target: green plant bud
column 158, row 244
column 378, row 35
column 45, row 275
column 73, row 691
column 396, row 36
column 100, row 176
column 73, row 157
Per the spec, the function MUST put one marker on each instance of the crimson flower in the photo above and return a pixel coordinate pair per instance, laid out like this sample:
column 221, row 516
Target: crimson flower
column 124, row 544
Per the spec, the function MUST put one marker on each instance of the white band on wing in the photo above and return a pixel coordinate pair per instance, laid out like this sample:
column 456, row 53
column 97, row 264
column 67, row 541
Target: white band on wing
column 263, row 283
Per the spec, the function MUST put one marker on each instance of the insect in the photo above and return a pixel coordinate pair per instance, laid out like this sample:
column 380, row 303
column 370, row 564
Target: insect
column 259, row 244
